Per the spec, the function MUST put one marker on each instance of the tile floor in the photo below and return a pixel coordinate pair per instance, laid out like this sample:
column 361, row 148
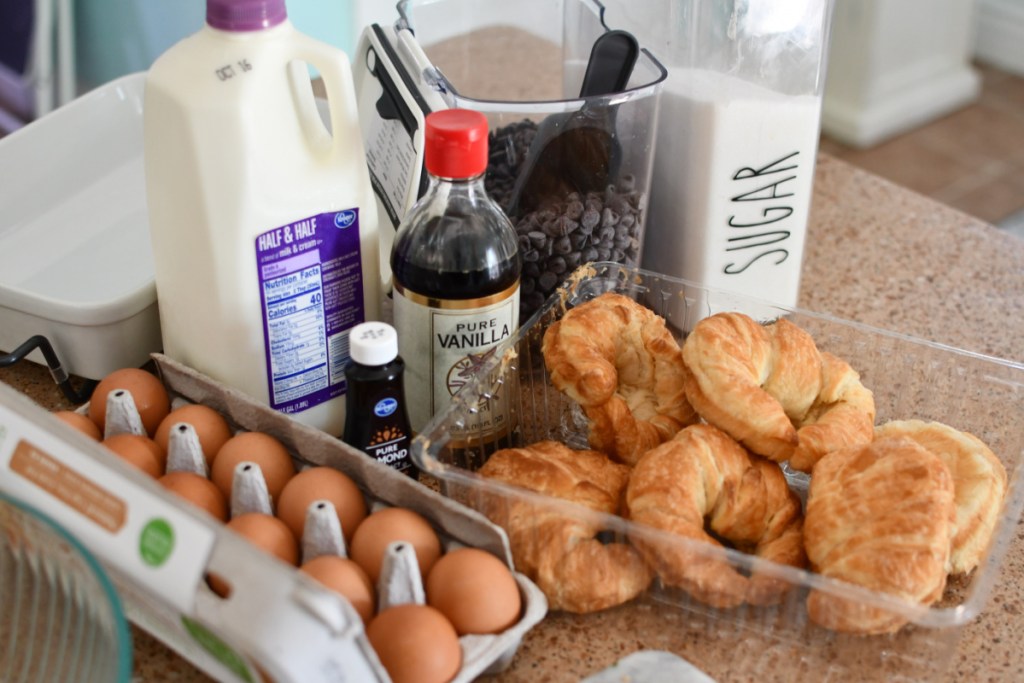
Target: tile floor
column 972, row 159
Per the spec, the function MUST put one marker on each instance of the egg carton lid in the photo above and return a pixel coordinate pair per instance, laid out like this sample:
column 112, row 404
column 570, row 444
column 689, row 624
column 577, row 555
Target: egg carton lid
column 74, row 229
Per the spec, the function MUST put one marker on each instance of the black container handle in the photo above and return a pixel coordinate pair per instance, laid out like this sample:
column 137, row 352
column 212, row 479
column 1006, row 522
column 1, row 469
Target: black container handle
column 57, row 371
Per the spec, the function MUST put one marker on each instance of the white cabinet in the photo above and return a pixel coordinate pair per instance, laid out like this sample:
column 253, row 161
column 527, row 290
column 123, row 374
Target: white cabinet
column 999, row 39
column 895, row 64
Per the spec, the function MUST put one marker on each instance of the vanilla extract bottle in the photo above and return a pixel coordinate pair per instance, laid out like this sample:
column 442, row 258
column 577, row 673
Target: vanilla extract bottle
column 456, row 269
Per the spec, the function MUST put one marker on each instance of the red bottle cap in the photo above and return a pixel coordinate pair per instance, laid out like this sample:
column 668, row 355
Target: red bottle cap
column 456, row 143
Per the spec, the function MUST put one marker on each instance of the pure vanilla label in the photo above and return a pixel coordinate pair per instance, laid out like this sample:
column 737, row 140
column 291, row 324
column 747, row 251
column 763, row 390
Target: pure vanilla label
column 444, row 344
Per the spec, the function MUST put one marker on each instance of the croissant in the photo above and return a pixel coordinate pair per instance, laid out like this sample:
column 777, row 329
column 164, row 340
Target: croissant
column 560, row 549
column 879, row 516
column 843, row 414
column 621, row 364
column 770, row 388
column 703, row 477
column 979, row 482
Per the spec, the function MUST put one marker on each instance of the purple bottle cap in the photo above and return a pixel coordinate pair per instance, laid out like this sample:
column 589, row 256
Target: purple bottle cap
column 245, row 15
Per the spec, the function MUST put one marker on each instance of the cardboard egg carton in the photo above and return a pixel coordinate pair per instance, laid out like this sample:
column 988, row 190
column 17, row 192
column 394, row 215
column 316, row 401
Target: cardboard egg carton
column 276, row 620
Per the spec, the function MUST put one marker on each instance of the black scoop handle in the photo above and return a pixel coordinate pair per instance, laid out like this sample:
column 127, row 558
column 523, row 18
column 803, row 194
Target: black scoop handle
column 611, row 62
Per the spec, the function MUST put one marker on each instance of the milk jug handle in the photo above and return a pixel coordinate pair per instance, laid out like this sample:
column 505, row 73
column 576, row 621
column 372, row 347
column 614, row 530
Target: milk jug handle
column 336, row 73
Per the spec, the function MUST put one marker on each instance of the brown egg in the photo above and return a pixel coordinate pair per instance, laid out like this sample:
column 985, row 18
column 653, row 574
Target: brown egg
column 211, row 428
column 268, row 533
column 345, row 577
column 147, row 392
column 270, row 454
column 80, row 422
column 321, row 483
column 140, row 451
column 198, row 490
column 415, row 644
column 394, row 524
column 475, row 590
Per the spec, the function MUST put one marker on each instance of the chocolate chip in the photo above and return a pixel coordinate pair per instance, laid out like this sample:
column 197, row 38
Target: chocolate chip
column 531, row 302
column 547, row 281
column 563, row 245
column 619, row 204
column 574, row 209
column 609, row 218
column 551, row 228
column 557, row 265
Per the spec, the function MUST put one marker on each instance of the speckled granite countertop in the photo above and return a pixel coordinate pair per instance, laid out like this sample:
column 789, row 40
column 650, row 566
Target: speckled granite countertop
column 878, row 254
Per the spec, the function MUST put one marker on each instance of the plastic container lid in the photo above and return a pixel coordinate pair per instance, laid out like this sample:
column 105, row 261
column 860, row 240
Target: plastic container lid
column 373, row 343
column 455, row 143
column 245, row 15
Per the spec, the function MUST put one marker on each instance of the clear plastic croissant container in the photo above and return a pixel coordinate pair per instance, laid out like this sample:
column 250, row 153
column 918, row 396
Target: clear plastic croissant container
column 911, row 379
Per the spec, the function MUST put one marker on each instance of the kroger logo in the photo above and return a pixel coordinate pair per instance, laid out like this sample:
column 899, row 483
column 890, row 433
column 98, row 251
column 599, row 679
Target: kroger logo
column 344, row 219
column 385, row 407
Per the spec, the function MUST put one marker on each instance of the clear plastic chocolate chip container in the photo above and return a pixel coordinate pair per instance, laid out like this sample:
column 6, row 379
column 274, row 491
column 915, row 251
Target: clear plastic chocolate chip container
column 572, row 106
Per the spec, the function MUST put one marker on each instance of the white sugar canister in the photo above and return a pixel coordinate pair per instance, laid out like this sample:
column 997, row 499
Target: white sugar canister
column 737, row 140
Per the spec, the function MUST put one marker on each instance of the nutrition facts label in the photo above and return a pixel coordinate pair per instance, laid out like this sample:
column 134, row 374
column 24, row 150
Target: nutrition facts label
column 311, row 291
column 296, row 328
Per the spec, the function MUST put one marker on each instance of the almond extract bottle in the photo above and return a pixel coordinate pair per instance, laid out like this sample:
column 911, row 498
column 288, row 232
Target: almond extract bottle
column 456, row 268
column 376, row 420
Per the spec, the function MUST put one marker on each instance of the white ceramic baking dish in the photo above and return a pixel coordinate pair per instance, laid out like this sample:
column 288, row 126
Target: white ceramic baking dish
column 75, row 259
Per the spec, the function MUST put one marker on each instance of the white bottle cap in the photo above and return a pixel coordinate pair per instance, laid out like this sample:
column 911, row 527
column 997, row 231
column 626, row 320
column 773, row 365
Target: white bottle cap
column 373, row 343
